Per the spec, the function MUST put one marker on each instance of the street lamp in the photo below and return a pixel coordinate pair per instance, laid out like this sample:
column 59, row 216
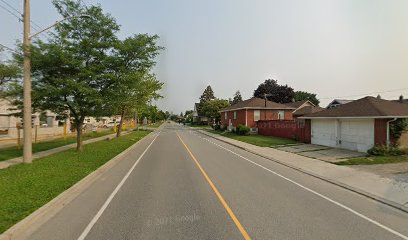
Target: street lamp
column 27, row 150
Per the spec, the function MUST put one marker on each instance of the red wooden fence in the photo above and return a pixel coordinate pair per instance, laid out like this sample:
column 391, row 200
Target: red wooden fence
column 299, row 129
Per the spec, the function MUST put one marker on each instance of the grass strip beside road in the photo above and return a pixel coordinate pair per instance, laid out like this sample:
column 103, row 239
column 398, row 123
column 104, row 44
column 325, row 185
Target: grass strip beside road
column 26, row 187
column 13, row 152
column 374, row 160
column 258, row 140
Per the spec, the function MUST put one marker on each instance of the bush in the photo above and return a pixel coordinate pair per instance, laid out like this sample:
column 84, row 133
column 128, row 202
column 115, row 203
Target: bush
column 386, row 151
column 216, row 127
column 242, row 130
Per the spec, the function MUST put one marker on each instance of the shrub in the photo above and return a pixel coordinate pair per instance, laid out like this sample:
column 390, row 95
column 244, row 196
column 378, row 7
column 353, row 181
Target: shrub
column 398, row 127
column 242, row 130
column 386, row 151
column 216, row 127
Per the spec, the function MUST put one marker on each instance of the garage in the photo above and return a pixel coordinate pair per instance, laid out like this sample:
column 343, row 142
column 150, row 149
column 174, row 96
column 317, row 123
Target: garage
column 352, row 134
column 356, row 134
column 324, row 132
column 357, row 125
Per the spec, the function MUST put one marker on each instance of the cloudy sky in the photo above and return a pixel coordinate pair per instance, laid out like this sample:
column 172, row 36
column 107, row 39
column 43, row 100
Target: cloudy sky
column 335, row 48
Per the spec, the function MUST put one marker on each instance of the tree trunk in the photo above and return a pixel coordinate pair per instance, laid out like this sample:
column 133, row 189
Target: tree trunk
column 79, row 136
column 122, row 117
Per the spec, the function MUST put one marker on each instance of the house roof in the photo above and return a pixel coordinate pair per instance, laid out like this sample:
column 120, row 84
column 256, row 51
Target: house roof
column 307, row 110
column 297, row 104
column 365, row 107
column 256, row 103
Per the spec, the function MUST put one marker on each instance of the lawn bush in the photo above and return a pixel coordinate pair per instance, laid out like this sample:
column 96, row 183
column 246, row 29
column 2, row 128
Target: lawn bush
column 382, row 150
column 242, row 130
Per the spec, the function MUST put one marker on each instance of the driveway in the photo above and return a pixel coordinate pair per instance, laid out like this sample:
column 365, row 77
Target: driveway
column 323, row 153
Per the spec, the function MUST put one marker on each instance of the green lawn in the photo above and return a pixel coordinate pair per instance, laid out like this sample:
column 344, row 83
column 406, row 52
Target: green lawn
column 13, row 152
column 24, row 188
column 374, row 160
column 258, row 140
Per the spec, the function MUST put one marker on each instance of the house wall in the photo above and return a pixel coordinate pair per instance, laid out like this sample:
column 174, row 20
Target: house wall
column 380, row 131
column 264, row 115
column 403, row 140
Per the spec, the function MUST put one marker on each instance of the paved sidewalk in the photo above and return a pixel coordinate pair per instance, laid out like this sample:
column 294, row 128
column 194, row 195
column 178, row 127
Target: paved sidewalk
column 18, row 160
column 389, row 191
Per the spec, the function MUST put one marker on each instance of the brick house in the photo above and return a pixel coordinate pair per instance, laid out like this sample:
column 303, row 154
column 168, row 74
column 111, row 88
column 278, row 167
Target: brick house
column 250, row 111
column 357, row 125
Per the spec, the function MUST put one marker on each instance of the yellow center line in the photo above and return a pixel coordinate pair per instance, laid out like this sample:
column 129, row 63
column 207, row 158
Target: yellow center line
column 220, row 197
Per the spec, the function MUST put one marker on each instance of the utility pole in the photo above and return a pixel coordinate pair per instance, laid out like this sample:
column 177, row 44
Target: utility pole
column 27, row 150
column 27, row 130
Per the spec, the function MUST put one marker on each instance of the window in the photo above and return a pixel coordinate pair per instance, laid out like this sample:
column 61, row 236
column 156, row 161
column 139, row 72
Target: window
column 281, row 115
column 235, row 115
column 225, row 115
column 257, row 115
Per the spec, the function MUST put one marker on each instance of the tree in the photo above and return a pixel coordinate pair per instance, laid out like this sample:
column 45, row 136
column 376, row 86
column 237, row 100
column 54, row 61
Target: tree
column 207, row 95
column 8, row 73
column 277, row 93
column 237, row 98
column 302, row 95
column 131, row 83
column 69, row 72
column 211, row 108
column 188, row 115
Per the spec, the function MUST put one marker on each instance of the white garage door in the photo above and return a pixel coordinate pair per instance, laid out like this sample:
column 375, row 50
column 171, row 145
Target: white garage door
column 357, row 134
column 352, row 134
column 324, row 132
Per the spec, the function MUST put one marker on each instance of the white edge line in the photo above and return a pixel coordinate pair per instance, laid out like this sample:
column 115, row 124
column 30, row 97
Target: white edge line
column 112, row 195
column 314, row 192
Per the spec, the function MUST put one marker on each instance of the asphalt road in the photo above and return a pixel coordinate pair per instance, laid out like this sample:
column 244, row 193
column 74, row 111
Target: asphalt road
column 179, row 184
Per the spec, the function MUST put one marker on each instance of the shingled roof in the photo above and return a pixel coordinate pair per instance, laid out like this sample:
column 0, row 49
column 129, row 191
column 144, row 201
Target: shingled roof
column 298, row 103
column 365, row 107
column 256, row 103
column 307, row 110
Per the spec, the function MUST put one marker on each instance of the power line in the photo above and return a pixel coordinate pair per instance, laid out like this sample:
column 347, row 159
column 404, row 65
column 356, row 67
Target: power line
column 9, row 49
column 15, row 15
column 35, row 26
column 357, row 95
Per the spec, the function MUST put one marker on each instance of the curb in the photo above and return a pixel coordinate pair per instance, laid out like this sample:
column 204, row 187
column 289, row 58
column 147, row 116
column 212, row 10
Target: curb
column 25, row 227
column 342, row 185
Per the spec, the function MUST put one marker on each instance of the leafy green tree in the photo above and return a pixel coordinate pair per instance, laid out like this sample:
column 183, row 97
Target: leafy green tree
column 302, row 95
column 8, row 73
column 211, row 108
column 69, row 72
column 131, row 83
column 276, row 93
column 237, row 98
column 188, row 115
column 207, row 95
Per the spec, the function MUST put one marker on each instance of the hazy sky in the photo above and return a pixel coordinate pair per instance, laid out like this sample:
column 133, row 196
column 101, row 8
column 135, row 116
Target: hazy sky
column 335, row 48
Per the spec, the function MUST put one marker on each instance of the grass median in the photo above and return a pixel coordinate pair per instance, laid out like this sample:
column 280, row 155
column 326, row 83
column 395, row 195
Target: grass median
column 258, row 140
column 26, row 187
column 13, row 152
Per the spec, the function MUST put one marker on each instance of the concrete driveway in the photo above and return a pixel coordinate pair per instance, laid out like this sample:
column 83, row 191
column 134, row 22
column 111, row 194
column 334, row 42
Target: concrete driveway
column 323, row 153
